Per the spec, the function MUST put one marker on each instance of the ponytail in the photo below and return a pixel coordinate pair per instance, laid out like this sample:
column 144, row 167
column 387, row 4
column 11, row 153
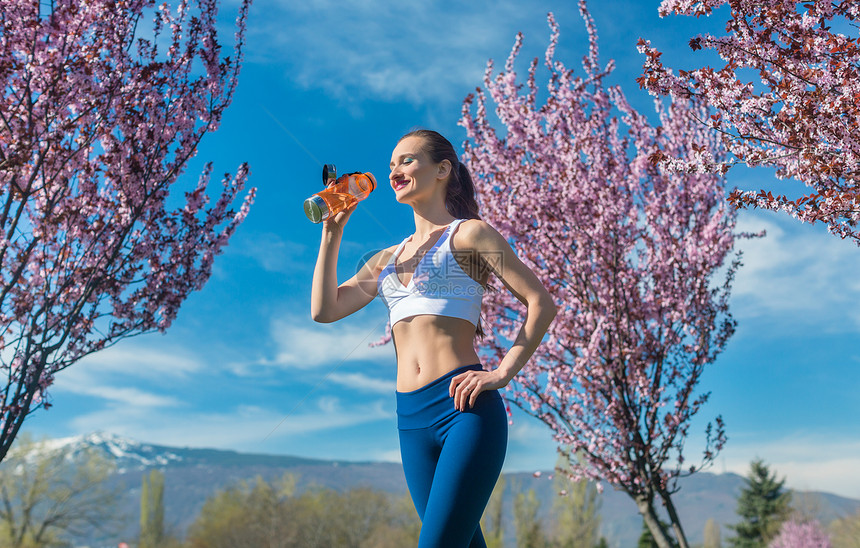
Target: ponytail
column 460, row 195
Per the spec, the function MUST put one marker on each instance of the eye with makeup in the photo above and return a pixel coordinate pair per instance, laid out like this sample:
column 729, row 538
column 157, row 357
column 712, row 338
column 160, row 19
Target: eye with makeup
column 405, row 161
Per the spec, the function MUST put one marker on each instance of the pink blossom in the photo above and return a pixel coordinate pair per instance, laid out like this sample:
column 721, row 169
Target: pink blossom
column 804, row 118
column 98, row 126
column 801, row 534
column 629, row 248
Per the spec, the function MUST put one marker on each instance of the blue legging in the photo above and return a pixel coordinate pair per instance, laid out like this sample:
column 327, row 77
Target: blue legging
column 451, row 459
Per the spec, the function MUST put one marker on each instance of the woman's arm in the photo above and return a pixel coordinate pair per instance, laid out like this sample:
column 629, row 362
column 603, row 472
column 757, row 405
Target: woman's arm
column 527, row 288
column 330, row 302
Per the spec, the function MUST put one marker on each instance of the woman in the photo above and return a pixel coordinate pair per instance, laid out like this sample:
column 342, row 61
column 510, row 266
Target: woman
column 452, row 422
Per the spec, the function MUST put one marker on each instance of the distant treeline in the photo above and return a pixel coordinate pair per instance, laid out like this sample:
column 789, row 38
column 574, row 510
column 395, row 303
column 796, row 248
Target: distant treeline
column 260, row 513
column 49, row 498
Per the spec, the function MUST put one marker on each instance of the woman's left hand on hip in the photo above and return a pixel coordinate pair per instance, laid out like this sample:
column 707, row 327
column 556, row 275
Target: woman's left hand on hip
column 466, row 387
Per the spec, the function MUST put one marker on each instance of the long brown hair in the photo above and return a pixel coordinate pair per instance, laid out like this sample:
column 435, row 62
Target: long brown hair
column 460, row 194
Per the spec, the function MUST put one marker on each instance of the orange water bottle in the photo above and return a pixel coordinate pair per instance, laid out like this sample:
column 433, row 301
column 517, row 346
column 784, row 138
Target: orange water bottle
column 347, row 189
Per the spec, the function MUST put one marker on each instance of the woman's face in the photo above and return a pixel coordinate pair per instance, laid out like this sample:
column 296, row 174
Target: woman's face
column 413, row 172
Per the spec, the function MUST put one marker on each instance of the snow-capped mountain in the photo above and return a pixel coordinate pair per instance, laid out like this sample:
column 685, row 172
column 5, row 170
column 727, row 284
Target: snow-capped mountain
column 193, row 475
column 134, row 456
column 127, row 454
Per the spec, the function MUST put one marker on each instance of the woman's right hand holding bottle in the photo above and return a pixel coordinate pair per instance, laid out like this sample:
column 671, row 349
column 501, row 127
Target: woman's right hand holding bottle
column 334, row 225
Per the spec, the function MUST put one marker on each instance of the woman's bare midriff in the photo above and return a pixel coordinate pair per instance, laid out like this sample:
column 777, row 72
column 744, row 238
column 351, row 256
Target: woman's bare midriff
column 428, row 347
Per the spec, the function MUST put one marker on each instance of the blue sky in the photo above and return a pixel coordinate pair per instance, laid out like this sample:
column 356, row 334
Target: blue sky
column 245, row 368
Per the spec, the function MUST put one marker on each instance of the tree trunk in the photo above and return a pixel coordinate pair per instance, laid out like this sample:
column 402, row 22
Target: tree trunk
column 646, row 508
column 676, row 523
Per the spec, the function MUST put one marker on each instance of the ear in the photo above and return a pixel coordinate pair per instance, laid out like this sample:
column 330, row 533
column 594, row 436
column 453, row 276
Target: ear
column 444, row 169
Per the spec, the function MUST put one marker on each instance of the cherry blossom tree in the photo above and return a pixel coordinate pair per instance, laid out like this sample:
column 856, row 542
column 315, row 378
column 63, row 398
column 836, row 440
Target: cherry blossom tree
column 801, row 116
column 637, row 256
column 801, row 534
column 96, row 124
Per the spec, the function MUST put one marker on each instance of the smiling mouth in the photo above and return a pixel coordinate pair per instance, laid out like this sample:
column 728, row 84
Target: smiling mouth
column 399, row 184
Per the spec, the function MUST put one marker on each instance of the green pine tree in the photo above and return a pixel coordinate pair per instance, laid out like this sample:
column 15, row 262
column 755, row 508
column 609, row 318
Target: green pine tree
column 763, row 504
column 152, row 511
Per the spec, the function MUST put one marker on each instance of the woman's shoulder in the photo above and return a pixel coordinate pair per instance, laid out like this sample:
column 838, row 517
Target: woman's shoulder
column 478, row 235
column 474, row 226
column 475, row 233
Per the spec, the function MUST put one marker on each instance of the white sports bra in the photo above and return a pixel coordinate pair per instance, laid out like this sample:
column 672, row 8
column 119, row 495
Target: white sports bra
column 438, row 287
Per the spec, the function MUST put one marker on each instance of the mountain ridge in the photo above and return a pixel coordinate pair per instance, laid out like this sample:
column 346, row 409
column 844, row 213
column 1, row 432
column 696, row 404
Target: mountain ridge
column 126, row 452
column 194, row 474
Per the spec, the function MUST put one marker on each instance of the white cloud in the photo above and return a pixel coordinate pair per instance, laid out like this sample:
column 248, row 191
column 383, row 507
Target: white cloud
column 363, row 383
column 526, row 429
column 797, row 273
column 270, row 251
column 138, row 360
column 388, row 456
column 330, row 413
column 391, row 50
column 807, row 461
column 246, row 428
column 126, row 396
column 530, row 444
column 303, row 345
column 105, row 375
